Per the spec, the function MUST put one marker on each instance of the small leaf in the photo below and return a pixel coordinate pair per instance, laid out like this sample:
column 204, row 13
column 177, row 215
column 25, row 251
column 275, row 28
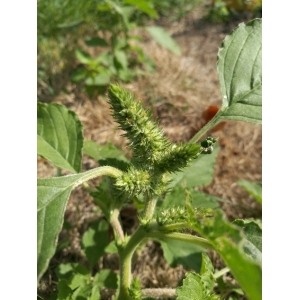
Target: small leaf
column 101, row 152
column 121, row 58
column 240, row 73
column 163, row 38
column 106, row 278
column 253, row 188
column 60, row 137
column 83, row 57
column 178, row 252
column 96, row 42
column 193, row 289
column 64, row 291
column 199, row 199
column 143, row 6
column 98, row 80
column 94, row 241
column 199, row 173
column 66, row 270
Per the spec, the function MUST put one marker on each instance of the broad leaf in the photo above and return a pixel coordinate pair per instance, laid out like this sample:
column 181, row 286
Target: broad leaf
column 240, row 73
column 163, row 38
column 199, row 173
column 94, row 241
column 53, row 194
column 60, row 138
column 178, row 252
column 253, row 188
column 228, row 240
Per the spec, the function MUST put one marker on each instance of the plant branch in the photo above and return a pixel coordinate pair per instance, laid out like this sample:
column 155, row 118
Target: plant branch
column 214, row 121
column 116, row 225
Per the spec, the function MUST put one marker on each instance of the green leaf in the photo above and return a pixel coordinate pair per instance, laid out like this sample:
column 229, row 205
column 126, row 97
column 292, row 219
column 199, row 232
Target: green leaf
column 228, row 240
column 199, row 199
column 253, row 188
column 106, row 278
column 53, row 194
column 67, row 270
column 199, row 173
column 240, row 73
column 83, row 57
column 121, row 58
column 96, row 42
column 98, row 80
column 94, row 241
column 194, row 289
column 253, row 233
column 64, row 291
column 163, row 38
column 99, row 152
column 206, row 273
column 60, row 137
column 143, row 6
column 178, row 252
column 95, row 294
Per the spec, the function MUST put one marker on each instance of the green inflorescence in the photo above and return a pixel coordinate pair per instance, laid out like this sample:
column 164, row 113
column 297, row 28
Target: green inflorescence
column 154, row 155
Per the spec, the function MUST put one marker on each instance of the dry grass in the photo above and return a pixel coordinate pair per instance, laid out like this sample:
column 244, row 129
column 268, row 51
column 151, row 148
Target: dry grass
column 178, row 94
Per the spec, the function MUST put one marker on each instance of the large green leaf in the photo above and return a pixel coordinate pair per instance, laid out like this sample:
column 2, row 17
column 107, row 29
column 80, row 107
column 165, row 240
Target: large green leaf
column 240, row 76
column 199, row 173
column 53, row 194
column 60, row 138
column 240, row 73
column 228, row 240
column 163, row 38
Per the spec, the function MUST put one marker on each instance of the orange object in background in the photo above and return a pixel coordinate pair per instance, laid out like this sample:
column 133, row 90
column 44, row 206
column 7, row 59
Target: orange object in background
column 209, row 114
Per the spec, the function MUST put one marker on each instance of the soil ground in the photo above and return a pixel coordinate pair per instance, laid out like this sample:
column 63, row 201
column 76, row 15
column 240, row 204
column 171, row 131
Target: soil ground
column 178, row 93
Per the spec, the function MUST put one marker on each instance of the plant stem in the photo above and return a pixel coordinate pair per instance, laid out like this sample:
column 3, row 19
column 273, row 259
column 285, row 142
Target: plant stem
column 116, row 225
column 184, row 237
column 128, row 249
column 125, row 254
column 206, row 128
column 221, row 272
column 149, row 208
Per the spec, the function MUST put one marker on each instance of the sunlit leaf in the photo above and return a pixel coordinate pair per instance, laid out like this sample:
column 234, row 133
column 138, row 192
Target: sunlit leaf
column 60, row 137
column 240, row 73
